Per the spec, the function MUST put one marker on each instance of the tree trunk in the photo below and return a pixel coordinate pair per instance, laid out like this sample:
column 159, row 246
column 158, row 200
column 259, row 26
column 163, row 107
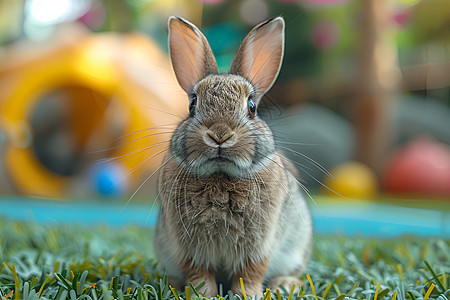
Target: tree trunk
column 377, row 80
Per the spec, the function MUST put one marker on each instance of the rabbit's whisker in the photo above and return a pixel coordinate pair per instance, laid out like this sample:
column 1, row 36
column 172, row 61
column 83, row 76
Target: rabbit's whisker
column 319, row 166
column 284, row 187
column 162, row 126
column 165, row 112
column 144, row 182
column 165, row 83
column 181, row 170
column 178, row 204
column 320, row 182
column 294, row 143
column 102, row 162
column 129, row 142
column 154, row 203
column 122, row 157
column 184, row 180
column 303, row 187
column 261, row 216
column 142, row 163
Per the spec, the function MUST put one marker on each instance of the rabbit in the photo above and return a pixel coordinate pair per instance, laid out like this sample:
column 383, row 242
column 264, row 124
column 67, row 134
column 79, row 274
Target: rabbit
column 230, row 203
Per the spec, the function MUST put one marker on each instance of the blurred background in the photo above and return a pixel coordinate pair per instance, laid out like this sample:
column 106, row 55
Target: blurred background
column 88, row 98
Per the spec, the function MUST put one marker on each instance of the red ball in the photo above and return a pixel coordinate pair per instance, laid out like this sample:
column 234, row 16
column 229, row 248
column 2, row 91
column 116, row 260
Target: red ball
column 420, row 168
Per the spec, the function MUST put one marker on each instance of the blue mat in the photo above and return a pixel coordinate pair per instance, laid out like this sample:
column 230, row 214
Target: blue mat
column 330, row 217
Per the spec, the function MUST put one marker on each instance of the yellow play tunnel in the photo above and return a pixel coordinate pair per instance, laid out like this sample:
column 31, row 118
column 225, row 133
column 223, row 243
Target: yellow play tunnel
column 78, row 99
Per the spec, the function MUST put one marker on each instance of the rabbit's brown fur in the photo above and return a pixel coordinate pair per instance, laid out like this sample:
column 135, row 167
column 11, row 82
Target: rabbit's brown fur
column 230, row 203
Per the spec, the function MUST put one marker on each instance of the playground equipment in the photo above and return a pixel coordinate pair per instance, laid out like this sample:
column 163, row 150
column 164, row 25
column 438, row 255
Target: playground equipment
column 79, row 98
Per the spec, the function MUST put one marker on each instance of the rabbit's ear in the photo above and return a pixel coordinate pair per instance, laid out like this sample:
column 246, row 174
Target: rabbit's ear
column 260, row 55
column 191, row 55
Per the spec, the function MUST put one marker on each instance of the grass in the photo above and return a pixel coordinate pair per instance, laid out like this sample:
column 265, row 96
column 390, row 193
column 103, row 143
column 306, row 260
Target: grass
column 64, row 261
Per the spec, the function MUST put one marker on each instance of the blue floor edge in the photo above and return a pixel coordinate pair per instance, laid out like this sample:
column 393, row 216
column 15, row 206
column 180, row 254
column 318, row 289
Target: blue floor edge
column 350, row 219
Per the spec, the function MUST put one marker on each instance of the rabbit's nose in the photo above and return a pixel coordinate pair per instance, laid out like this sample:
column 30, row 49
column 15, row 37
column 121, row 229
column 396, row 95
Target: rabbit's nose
column 213, row 139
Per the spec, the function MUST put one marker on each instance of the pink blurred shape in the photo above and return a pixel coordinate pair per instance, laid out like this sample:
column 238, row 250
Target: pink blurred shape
column 420, row 168
column 326, row 1
column 325, row 34
column 401, row 18
column 95, row 17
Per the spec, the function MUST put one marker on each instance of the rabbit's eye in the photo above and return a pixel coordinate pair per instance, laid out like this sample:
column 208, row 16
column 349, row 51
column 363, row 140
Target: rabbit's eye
column 192, row 104
column 251, row 107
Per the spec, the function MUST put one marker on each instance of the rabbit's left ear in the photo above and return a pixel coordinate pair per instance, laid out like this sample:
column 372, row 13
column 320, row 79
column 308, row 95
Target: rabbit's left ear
column 260, row 55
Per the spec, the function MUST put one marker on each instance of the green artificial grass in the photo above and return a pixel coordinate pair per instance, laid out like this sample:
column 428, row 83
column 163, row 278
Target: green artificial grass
column 62, row 261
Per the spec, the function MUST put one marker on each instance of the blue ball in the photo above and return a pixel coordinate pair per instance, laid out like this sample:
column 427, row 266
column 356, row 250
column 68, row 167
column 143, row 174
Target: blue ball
column 108, row 179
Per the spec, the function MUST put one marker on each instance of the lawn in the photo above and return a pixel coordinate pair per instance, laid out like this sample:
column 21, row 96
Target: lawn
column 70, row 261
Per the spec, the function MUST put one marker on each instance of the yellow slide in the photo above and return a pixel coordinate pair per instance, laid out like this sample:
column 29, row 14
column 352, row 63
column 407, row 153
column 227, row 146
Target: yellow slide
column 80, row 98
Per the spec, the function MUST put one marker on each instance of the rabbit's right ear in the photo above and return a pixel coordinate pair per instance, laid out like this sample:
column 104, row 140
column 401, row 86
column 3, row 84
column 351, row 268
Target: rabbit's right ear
column 191, row 55
column 260, row 55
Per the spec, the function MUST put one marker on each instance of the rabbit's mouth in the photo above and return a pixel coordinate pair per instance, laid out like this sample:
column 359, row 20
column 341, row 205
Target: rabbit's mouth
column 220, row 159
column 219, row 165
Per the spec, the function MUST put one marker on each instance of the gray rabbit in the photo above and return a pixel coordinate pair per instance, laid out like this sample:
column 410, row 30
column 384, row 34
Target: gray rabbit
column 230, row 203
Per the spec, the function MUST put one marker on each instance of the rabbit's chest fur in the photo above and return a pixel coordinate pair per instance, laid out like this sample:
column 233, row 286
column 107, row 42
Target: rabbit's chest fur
column 216, row 221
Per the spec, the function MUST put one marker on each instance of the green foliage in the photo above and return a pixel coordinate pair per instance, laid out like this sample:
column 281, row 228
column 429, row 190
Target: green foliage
column 62, row 261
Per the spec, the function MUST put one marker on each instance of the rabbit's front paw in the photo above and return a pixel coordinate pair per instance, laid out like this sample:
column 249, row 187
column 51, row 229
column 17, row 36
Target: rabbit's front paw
column 285, row 282
column 208, row 290
column 203, row 279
